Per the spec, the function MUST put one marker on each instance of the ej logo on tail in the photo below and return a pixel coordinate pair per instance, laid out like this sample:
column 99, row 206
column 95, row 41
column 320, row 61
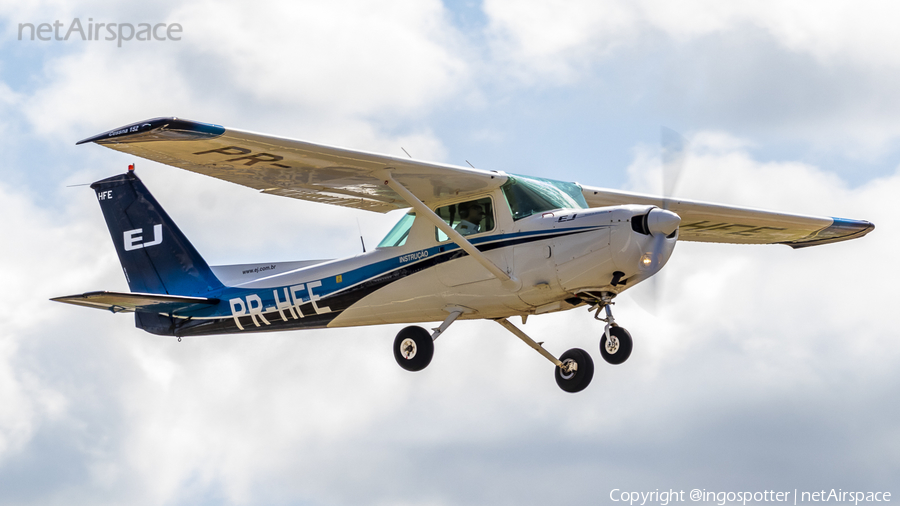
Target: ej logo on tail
column 133, row 238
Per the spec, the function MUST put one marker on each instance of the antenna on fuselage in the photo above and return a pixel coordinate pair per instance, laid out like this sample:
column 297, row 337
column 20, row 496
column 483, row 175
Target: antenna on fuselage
column 360, row 233
column 405, row 151
column 470, row 164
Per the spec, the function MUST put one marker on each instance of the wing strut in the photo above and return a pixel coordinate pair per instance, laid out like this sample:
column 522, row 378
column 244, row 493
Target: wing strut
column 509, row 281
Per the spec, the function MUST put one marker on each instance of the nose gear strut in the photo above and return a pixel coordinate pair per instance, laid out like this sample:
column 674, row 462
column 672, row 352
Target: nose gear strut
column 605, row 303
column 616, row 343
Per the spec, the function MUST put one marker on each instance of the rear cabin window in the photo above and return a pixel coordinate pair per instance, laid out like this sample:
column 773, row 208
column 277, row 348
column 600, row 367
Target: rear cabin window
column 530, row 195
column 468, row 218
column 397, row 236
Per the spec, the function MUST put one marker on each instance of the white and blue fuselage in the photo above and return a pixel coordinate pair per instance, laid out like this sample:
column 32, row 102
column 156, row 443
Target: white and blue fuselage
column 561, row 257
column 560, row 254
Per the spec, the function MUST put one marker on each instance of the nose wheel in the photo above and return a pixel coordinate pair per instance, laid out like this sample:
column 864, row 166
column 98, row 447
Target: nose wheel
column 616, row 343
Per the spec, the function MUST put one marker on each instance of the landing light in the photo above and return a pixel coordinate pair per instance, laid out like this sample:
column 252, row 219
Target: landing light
column 646, row 260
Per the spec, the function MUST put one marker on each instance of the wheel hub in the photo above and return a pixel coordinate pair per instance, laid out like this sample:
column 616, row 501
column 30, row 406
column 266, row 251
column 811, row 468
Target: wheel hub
column 568, row 369
column 408, row 348
column 612, row 344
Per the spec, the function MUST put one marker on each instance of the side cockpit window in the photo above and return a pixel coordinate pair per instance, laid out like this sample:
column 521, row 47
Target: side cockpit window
column 468, row 218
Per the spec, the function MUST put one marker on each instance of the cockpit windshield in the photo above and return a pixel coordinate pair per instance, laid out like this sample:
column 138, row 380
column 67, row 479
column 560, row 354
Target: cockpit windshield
column 530, row 195
column 397, row 236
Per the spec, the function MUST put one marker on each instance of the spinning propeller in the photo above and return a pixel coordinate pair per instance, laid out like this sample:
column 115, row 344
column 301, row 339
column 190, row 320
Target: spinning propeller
column 661, row 222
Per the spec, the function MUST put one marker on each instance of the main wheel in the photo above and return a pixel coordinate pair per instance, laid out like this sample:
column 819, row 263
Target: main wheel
column 618, row 349
column 580, row 378
column 413, row 348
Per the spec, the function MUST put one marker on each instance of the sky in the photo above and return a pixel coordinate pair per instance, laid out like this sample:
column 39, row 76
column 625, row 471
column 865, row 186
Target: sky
column 762, row 368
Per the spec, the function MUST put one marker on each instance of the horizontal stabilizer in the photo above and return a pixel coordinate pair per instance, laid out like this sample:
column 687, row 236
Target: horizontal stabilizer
column 119, row 302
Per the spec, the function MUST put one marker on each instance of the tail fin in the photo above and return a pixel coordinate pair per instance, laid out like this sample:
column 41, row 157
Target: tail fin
column 155, row 255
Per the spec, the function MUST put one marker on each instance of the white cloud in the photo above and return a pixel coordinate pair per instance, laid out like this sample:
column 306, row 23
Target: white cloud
column 796, row 285
column 308, row 70
column 820, row 74
column 35, row 266
column 555, row 40
column 714, row 164
column 392, row 57
column 548, row 38
column 98, row 90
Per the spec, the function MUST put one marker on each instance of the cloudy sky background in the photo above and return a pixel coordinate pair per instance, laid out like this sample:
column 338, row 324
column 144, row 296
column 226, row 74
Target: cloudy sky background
column 765, row 368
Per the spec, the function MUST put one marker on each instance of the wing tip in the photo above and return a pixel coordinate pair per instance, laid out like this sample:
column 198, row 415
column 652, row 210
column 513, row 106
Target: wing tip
column 841, row 229
column 157, row 129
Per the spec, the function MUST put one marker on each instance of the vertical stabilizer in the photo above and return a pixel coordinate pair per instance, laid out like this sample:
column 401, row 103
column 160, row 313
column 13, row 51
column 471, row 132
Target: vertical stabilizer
column 155, row 255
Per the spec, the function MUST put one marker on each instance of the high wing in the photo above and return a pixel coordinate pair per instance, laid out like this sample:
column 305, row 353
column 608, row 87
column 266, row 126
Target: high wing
column 293, row 168
column 319, row 173
column 706, row 222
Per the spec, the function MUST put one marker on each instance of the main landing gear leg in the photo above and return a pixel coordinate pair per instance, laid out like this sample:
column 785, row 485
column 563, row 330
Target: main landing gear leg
column 574, row 368
column 443, row 326
column 616, row 343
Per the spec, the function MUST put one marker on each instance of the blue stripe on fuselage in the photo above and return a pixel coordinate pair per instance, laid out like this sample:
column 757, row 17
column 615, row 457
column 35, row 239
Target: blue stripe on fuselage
column 330, row 287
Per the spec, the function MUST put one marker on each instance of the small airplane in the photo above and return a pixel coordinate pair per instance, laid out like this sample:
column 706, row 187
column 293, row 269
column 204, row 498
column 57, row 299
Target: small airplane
column 476, row 244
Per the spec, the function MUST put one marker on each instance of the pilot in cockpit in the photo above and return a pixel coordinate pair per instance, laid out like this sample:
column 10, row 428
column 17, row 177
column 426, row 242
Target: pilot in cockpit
column 471, row 213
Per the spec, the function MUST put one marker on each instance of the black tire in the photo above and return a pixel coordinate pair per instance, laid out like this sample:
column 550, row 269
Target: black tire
column 625, row 346
column 581, row 378
column 419, row 348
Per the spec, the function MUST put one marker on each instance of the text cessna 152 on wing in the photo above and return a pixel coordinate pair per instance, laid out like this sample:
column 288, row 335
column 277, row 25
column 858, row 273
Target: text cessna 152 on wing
column 476, row 244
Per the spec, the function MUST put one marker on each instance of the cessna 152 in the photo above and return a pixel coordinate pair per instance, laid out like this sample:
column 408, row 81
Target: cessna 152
column 476, row 244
